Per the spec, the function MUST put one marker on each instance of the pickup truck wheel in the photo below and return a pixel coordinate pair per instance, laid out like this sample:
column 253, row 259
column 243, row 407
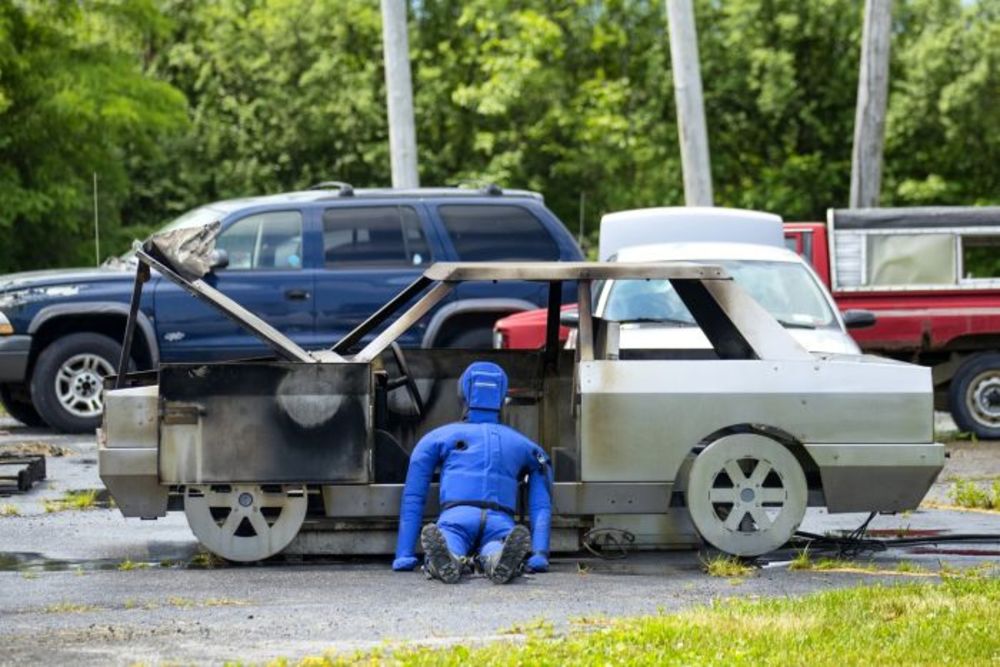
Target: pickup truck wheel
column 471, row 339
column 66, row 384
column 974, row 396
column 746, row 494
column 16, row 401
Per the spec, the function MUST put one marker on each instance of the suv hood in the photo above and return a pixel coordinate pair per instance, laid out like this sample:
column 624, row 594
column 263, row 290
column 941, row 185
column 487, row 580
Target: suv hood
column 53, row 277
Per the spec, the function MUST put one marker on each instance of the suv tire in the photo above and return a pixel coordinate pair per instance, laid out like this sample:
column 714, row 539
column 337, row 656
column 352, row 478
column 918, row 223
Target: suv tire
column 15, row 399
column 479, row 338
column 974, row 395
column 66, row 384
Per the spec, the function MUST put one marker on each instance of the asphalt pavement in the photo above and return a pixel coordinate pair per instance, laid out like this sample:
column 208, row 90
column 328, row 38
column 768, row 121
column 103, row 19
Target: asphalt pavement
column 90, row 587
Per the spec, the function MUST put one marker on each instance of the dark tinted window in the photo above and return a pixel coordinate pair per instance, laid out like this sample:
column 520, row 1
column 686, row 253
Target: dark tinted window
column 382, row 235
column 497, row 233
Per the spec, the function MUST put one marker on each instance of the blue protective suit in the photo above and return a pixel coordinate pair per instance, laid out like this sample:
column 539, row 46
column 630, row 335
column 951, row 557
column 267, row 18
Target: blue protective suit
column 482, row 463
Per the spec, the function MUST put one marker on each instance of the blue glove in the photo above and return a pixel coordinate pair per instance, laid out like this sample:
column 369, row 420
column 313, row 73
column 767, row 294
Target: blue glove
column 405, row 563
column 538, row 563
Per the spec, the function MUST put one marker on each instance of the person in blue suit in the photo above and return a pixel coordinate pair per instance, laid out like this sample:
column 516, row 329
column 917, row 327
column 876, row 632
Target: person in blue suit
column 482, row 463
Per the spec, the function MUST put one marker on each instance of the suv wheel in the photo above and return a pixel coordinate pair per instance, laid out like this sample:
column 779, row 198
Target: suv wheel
column 471, row 339
column 67, row 381
column 17, row 401
column 974, row 395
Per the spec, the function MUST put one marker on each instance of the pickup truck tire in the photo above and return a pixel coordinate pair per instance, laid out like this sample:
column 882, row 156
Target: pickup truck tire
column 974, row 395
column 66, row 382
column 17, row 404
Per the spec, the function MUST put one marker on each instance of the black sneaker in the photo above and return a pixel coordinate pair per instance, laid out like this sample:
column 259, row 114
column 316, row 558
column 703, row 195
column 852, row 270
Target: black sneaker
column 506, row 565
column 439, row 562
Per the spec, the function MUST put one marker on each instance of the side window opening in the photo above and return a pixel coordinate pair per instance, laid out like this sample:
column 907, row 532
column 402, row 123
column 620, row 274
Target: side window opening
column 271, row 240
column 980, row 257
column 497, row 233
column 373, row 235
column 911, row 259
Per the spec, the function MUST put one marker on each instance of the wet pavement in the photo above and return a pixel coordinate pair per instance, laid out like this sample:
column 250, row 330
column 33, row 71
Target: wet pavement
column 90, row 587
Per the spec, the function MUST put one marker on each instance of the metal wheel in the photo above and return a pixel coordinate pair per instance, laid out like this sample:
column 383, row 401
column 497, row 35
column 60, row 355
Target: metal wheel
column 746, row 494
column 78, row 384
column 983, row 398
column 245, row 522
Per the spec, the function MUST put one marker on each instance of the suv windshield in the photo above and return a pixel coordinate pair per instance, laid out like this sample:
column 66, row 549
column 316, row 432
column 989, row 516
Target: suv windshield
column 786, row 289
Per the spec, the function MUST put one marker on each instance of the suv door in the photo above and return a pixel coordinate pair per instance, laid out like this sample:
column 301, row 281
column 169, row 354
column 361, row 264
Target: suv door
column 370, row 253
column 265, row 275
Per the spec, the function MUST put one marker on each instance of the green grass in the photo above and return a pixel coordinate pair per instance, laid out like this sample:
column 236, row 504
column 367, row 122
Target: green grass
column 9, row 510
column 966, row 493
column 909, row 624
column 73, row 500
column 727, row 567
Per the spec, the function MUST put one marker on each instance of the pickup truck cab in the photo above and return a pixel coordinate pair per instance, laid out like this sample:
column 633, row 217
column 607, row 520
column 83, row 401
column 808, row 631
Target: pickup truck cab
column 931, row 276
column 313, row 263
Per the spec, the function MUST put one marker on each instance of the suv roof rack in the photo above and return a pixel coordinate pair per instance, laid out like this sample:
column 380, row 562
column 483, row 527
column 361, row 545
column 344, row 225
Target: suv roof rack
column 345, row 189
column 485, row 187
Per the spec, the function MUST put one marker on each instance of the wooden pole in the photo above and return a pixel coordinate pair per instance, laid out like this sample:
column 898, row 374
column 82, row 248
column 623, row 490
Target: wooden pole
column 873, row 94
column 690, row 105
column 399, row 95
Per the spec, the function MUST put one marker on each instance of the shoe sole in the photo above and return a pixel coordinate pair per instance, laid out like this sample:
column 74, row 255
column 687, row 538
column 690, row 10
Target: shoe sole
column 439, row 563
column 515, row 548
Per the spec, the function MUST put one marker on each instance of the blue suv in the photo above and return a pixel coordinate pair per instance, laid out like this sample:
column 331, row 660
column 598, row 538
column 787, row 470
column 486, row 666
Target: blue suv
column 314, row 264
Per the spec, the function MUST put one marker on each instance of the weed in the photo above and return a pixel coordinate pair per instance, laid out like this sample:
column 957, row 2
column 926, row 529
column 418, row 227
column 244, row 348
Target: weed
column 9, row 510
column 129, row 564
column 537, row 628
column 206, row 560
column 73, row 500
column 802, row 561
column 69, row 608
column 726, row 566
column 966, row 493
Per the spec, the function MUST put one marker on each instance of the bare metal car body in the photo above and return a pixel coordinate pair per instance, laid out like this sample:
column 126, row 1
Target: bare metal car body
column 307, row 451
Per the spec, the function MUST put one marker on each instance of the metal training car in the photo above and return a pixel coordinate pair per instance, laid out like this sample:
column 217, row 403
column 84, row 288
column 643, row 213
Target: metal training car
column 306, row 451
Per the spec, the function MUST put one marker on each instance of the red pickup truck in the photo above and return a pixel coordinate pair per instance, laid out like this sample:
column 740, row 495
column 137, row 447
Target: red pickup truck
column 931, row 276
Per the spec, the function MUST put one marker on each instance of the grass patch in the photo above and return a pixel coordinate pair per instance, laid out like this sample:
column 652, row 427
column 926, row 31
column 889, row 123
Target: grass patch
column 129, row 564
column 73, row 500
column 914, row 623
column 804, row 561
column 9, row 510
column 727, row 566
column 69, row 608
column 966, row 493
column 206, row 560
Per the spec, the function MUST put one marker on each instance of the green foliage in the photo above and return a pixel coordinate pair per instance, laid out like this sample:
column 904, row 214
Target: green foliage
column 966, row 493
column 177, row 103
column 74, row 100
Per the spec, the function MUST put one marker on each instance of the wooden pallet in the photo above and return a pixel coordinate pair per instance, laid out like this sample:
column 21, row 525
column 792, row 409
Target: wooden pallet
column 19, row 473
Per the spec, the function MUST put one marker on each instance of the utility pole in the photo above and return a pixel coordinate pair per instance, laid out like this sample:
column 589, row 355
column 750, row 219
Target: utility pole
column 399, row 95
column 873, row 94
column 690, row 105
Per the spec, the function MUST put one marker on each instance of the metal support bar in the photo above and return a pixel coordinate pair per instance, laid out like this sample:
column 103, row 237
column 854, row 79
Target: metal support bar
column 552, row 324
column 344, row 345
column 585, row 323
column 141, row 276
column 399, row 327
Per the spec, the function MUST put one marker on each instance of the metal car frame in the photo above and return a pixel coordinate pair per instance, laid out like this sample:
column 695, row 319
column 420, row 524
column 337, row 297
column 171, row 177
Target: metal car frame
column 312, row 447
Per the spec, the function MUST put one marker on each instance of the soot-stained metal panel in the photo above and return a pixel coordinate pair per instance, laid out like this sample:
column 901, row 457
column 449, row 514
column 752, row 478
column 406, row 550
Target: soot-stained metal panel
column 265, row 422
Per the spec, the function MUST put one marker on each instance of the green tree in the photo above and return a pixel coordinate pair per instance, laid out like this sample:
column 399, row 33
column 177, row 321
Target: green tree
column 73, row 101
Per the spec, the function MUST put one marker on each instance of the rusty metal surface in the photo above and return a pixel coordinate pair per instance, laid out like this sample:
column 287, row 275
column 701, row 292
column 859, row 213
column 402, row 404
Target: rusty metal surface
column 265, row 423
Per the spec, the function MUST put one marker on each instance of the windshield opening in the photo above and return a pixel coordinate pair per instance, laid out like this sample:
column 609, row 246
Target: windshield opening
column 785, row 289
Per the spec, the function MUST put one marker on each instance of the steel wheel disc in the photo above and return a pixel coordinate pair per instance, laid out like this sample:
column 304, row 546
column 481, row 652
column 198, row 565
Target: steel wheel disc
column 746, row 494
column 983, row 398
column 245, row 522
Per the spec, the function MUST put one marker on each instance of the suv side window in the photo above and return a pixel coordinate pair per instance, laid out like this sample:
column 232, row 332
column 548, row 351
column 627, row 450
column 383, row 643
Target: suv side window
column 271, row 240
column 373, row 235
column 497, row 233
